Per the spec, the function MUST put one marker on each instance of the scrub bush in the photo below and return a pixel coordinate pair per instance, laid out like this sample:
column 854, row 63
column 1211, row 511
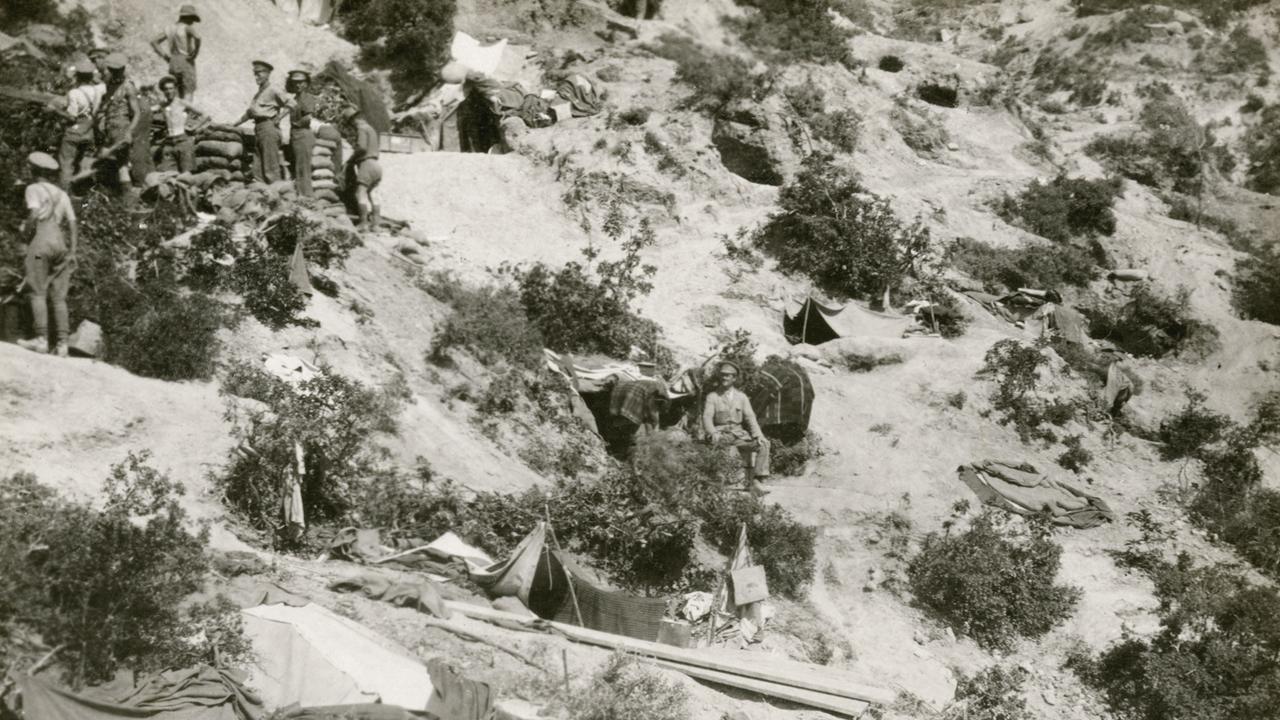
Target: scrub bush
column 334, row 419
column 791, row 459
column 1256, row 291
column 781, row 544
column 1262, row 148
column 1170, row 151
column 793, row 31
column 409, row 37
column 992, row 584
column 847, row 240
column 841, row 128
column 1152, row 324
column 992, row 694
column 718, row 79
column 106, row 585
column 1015, row 368
column 628, row 689
column 1064, row 208
column 488, row 322
column 1003, row 270
column 1190, row 432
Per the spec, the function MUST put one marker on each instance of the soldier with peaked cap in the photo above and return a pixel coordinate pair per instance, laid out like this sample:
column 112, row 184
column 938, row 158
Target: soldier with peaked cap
column 363, row 169
column 266, row 111
column 729, row 420
column 98, row 56
column 53, row 233
column 77, row 136
column 179, row 45
column 301, row 138
column 119, row 118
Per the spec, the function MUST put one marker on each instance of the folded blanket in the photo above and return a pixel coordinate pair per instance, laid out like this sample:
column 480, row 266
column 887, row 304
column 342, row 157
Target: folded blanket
column 1021, row 489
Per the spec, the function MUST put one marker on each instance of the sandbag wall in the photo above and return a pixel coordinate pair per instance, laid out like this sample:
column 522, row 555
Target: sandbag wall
column 225, row 150
column 326, row 166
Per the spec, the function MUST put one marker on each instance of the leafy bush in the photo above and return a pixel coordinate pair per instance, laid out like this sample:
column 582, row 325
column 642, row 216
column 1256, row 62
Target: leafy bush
column 488, row 322
column 779, row 543
column 1064, row 207
column 1170, row 151
column 793, row 30
column 992, row 694
column 332, row 417
column 1015, row 368
column 1152, row 324
column 718, row 79
column 1256, row 292
column 991, row 584
column 1076, row 456
column 847, row 240
column 1262, row 148
column 410, row 37
column 587, row 308
column 788, row 459
column 841, row 128
column 1238, row 52
column 1055, row 72
column 1188, row 433
column 628, row 689
column 925, row 134
column 106, row 585
column 1212, row 659
column 1029, row 266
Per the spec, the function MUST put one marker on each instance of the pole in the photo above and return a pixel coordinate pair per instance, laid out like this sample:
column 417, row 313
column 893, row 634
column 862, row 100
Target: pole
column 573, row 595
column 804, row 331
column 564, row 658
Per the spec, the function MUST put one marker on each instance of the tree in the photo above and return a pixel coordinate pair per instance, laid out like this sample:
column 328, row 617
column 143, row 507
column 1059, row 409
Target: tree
column 410, row 37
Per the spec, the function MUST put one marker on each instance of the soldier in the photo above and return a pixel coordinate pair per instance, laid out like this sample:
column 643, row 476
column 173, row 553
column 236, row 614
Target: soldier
column 180, row 45
column 729, row 420
column 178, row 149
column 51, row 253
column 301, row 138
column 77, row 137
column 98, row 56
column 266, row 110
column 119, row 120
column 363, row 169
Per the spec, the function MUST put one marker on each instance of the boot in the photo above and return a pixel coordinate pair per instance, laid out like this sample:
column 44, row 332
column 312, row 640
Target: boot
column 61, row 349
column 34, row 345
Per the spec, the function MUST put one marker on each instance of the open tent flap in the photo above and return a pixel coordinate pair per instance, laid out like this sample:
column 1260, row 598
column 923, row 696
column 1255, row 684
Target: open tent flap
column 313, row 657
column 812, row 321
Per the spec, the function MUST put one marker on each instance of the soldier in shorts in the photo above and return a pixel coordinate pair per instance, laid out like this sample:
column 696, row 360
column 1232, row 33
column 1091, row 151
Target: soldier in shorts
column 51, row 254
column 179, row 45
column 363, row 170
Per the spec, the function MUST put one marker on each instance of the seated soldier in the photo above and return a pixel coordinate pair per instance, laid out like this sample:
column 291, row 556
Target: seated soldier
column 727, row 419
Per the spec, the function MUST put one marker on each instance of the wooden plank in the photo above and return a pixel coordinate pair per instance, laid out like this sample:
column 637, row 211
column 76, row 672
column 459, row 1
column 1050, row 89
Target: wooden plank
column 797, row 675
column 822, row 701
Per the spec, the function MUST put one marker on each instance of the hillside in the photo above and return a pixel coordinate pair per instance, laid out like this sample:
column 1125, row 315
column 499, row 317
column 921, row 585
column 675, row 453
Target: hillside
column 894, row 436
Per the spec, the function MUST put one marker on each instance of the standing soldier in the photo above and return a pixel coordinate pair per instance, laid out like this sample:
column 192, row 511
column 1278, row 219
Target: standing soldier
column 180, row 45
column 77, row 137
column 98, row 56
column 51, row 253
column 266, row 110
column 119, row 118
column 178, row 149
column 301, row 139
column 363, row 169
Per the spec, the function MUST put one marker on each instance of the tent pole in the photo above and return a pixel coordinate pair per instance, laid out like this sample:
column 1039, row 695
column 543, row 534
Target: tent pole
column 573, row 595
column 804, row 331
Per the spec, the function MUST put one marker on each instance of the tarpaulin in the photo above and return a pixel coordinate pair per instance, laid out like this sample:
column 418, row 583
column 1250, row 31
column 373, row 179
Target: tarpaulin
column 312, row 657
column 418, row 594
column 456, row 697
column 1020, row 488
column 513, row 576
column 588, row 374
column 782, row 398
column 197, row 693
column 608, row 611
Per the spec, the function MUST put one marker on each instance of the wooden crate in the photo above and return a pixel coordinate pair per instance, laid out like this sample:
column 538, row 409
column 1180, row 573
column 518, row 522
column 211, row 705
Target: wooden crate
column 393, row 143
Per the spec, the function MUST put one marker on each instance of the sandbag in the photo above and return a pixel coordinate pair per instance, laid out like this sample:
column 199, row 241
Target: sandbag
column 212, row 162
column 319, row 185
column 321, row 150
column 322, row 174
column 229, row 150
column 327, row 195
column 219, row 135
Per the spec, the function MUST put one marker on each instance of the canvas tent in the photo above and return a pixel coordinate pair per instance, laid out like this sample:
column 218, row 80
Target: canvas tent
column 814, row 321
column 782, row 398
column 313, row 657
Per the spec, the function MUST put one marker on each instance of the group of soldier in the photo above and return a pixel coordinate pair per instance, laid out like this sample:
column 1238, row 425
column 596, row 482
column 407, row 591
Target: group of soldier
column 108, row 126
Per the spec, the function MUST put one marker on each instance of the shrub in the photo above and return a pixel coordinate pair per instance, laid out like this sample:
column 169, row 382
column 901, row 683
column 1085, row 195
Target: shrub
column 848, row 241
column 718, row 79
column 1075, row 457
column 1256, row 292
column 1056, row 72
column 1170, row 151
column 332, row 417
column 789, row 459
column 991, row 584
column 488, row 322
column 635, row 116
column 1262, row 148
column 410, row 37
column 628, row 689
column 779, row 543
column 1064, row 207
column 1003, row 270
column 992, row 694
column 1238, row 52
column 587, row 308
column 1151, row 324
column 1213, row 657
column 1188, row 433
column 841, row 128
column 106, row 585
column 793, row 30
column 925, row 135
column 1015, row 368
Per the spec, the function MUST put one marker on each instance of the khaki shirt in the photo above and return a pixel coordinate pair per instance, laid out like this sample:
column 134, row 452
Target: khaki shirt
column 728, row 409
column 267, row 104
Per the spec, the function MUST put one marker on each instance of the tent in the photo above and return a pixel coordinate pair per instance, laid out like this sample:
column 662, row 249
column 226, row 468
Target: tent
column 814, row 321
column 196, row 693
column 782, row 397
column 313, row 657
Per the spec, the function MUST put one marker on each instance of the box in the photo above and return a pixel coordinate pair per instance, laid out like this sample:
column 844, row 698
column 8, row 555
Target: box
column 749, row 585
column 393, row 143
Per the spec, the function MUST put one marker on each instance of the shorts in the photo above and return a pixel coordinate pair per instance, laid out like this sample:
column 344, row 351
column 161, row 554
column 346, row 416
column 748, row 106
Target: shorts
column 184, row 71
column 368, row 173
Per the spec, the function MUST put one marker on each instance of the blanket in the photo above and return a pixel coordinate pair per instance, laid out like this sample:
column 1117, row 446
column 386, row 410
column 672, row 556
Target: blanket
column 420, row 595
column 580, row 94
column 637, row 400
column 200, row 692
column 1021, row 489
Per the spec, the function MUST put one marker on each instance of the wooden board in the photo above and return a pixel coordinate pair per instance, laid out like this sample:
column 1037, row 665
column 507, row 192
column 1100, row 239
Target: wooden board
column 822, row 701
column 804, row 676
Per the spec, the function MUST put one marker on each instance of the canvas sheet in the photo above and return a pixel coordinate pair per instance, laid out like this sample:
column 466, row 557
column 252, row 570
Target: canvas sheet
column 197, row 693
column 1021, row 489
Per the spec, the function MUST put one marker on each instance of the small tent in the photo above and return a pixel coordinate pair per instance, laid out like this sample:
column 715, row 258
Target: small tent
column 782, row 397
column 814, row 321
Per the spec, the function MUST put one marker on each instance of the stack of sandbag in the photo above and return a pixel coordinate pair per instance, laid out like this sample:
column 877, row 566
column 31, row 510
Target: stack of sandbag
column 221, row 149
column 326, row 165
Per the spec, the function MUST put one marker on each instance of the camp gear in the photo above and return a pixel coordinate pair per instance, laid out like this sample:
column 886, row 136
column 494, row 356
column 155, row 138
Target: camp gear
column 456, row 697
column 453, row 73
column 41, row 160
column 1117, row 391
column 420, row 594
column 815, row 321
column 199, row 691
column 360, row 94
column 782, row 397
column 675, row 632
column 1127, row 275
column 580, row 94
column 638, row 400
column 749, row 585
column 188, row 11
column 87, row 339
column 1020, row 488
